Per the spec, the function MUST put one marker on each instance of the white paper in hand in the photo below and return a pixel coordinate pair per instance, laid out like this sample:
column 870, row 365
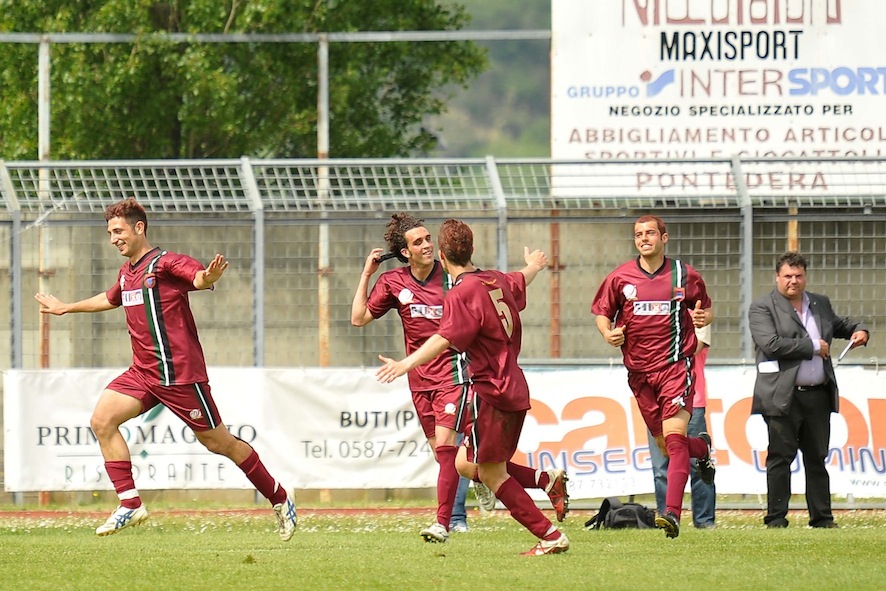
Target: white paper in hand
column 846, row 350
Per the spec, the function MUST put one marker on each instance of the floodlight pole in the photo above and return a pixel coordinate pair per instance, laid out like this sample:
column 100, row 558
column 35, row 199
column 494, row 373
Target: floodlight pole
column 43, row 153
column 44, row 238
column 323, row 268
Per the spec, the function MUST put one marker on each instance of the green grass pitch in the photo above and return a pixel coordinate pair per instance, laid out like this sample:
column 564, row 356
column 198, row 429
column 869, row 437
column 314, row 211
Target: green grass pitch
column 368, row 549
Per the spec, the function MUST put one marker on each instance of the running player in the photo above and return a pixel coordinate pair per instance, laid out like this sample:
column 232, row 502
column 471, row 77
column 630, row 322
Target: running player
column 167, row 364
column 440, row 389
column 650, row 307
column 482, row 318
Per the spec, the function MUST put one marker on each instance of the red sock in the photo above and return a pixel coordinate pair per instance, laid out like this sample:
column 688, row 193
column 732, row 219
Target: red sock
column 259, row 476
column 698, row 447
column 120, row 474
column 447, row 483
column 525, row 475
column 678, row 471
column 523, row 509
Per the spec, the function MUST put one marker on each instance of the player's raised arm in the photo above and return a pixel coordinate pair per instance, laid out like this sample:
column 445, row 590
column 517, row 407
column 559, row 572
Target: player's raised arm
column 535, row 262
column 360, row 315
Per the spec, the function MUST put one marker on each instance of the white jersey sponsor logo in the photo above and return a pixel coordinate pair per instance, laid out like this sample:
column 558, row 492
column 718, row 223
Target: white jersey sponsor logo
column 652, row 308
column 423, row 311
column 133, row 297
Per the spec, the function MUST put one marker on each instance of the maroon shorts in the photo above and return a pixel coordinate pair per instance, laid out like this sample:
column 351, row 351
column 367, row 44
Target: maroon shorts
column 192, row 403
column 663, row 393
column 494, row 433
column 446, row 407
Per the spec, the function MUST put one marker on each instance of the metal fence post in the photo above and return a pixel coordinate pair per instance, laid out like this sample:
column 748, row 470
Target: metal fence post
column 323, row 263
column 746, row 260
column 501, row 206
column 258, row 262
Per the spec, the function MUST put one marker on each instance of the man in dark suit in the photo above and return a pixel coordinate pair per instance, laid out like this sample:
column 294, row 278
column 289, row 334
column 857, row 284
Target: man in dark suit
column 796, row 389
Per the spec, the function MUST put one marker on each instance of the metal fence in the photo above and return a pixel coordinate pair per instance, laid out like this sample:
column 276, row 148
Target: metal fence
column 297, row 233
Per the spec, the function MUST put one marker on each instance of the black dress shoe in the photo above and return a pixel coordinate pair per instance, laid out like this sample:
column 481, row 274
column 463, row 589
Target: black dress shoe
column 828, row 525
column 777, row 524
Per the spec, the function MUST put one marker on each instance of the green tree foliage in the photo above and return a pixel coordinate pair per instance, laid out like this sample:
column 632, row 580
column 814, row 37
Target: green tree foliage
column 159, row 99
column 506, row 112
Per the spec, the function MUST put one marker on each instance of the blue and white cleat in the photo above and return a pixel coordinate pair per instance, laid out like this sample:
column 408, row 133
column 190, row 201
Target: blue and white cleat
column 287, row 519
column 122, row 518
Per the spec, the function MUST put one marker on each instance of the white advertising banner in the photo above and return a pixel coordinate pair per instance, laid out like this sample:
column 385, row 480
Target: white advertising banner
column 339, row 428
column 702, row 79
column 313, row 428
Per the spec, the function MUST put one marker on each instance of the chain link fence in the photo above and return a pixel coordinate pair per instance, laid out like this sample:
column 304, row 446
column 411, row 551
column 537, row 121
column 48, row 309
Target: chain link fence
column 297, row 233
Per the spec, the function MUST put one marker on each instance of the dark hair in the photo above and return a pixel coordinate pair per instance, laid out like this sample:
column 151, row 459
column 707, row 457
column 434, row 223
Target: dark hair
column 791, row 258
column 128, row 209
column 395, row 233
column 662, row 229
column 456, row 241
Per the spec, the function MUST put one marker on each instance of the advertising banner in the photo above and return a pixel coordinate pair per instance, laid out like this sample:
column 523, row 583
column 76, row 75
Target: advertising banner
column 312, row 428
column 703, row 79
column 339, row 428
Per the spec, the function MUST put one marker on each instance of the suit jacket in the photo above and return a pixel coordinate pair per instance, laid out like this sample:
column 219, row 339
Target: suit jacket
column 782, row 343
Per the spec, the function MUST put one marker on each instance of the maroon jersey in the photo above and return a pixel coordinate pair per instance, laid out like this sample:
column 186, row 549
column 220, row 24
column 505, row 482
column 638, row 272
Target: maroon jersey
column 482, row 318
column 420, row 305
column 154, row 294
column 655, row 309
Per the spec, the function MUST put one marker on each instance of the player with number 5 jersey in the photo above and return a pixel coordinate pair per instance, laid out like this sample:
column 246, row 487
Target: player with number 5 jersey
column 481, row 317
column 484, row 319
column 441, row 387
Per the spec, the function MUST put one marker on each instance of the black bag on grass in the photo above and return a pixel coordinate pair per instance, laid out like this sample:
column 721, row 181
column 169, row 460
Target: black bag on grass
column 617, row 515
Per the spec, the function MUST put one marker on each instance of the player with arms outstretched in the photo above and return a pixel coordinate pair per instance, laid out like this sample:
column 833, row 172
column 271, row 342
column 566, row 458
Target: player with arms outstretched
column 167, row 364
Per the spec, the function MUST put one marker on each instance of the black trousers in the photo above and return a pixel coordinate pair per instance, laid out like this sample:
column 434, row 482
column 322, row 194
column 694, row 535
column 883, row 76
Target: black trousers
column 808, row 428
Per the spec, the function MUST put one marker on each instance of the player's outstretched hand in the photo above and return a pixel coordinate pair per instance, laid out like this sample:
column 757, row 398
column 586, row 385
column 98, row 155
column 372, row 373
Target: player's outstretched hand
column 49, row 304
column 390, row 371
column 216, row 268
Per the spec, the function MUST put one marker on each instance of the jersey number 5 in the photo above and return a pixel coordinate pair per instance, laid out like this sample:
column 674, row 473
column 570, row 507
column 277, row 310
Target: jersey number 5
column 504, row 313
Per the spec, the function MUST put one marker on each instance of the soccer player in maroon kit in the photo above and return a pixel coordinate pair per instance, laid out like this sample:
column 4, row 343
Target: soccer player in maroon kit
column 440, row 388
column 167, row 364
column 650, row 307
column 482, row 318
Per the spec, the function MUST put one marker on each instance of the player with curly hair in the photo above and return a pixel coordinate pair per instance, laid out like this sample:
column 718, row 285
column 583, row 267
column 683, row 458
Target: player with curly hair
column 441, row 388
column 482, row 318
